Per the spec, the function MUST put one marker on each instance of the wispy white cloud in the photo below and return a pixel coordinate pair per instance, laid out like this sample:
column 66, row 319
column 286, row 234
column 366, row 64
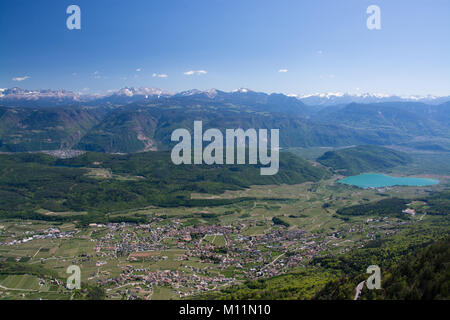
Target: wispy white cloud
column 21, row 78
column 195, row 72
column 160, row 75
column 138, row 70
column 97, row 75
column 283, row 70
column 319, row 52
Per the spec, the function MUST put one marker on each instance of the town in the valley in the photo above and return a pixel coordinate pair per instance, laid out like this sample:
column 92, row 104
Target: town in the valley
column 184, row 252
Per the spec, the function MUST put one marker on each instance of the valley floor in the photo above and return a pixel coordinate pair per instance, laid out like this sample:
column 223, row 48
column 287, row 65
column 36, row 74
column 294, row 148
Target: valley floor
column 186, row 252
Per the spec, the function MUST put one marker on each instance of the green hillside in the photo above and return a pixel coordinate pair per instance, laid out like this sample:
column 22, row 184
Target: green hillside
column 405, row 118
column 422, row 274
column 100, row 183
column 360, row 159
column 141, row 124
column 148, row 126
column 437, row 204
column 141, row 127
column 29, row 129
column 302, row 285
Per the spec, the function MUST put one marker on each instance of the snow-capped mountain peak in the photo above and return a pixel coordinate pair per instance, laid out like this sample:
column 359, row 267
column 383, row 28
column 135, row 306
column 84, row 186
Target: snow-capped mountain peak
column 142, row 91
column 241, row 90
column 335, row 98
column 132, row 94
column 191, row 92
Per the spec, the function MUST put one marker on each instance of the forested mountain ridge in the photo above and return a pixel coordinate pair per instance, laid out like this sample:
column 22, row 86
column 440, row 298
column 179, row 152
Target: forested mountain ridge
column 408, row 118
column 127, row 128
column 360, row 159
column 134, row 120
column 98, row 183
column 52, row 128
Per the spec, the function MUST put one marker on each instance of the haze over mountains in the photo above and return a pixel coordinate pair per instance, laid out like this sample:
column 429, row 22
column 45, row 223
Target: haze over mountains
column 142, row 119
column 318, row 99
column 331, row 99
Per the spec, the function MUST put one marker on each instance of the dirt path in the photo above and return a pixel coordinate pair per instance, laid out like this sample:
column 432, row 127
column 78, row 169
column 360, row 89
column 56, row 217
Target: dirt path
column 15, row 289
column 272, row 261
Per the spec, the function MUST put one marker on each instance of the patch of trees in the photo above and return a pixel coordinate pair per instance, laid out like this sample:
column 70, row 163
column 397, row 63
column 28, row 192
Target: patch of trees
column 439, row 203
column 380, row 208
column 281, row 222
column 422, row 273
column 17, row 268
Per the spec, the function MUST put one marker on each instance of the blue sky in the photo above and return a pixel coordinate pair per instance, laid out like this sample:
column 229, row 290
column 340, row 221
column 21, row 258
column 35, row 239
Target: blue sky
column 324, row 45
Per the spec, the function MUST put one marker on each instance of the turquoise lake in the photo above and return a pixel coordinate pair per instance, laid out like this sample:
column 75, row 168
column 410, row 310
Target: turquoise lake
column 377, row 180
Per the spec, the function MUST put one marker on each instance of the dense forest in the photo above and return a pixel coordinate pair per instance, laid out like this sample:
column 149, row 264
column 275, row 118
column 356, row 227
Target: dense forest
column 300, row 285
column 99, row 183
column 391, row 206
column 436, row 204
column 360, row 159
column 439, row 203
column 423, row 274
column 145, row 123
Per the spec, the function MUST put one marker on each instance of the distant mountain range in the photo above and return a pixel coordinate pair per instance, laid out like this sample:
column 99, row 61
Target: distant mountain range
column 142, row 119
column 131, row 94
column 332, row 99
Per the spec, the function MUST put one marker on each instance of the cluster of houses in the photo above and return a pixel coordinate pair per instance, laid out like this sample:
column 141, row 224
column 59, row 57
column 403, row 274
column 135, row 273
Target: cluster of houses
column 143, row 280
column 251, row 256
column 51, row 233
column 201, row 263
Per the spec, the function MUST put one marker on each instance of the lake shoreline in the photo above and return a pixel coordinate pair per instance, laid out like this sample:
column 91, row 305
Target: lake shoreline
column 379, row 180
